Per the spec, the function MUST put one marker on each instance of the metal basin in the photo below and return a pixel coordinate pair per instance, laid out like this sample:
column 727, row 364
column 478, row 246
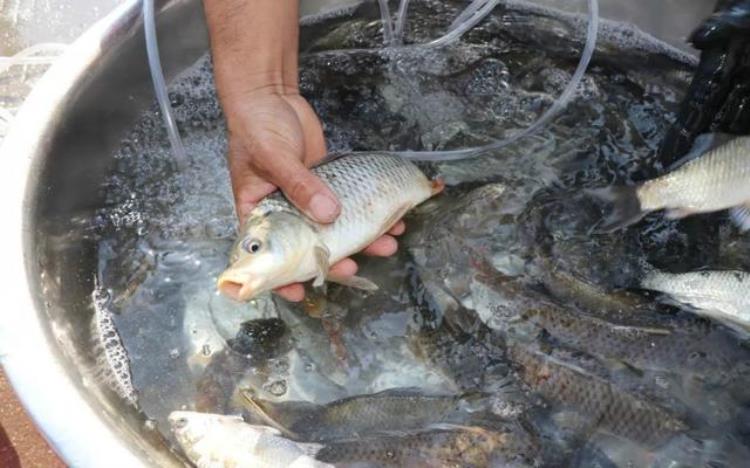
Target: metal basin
column 54, row 160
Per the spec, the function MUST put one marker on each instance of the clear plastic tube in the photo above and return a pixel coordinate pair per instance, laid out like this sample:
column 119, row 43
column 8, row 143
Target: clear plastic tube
column 160, row 85
column 398, row 30
column 464, row 26
column 467, row 13
column 559, row 104
column 385, row 14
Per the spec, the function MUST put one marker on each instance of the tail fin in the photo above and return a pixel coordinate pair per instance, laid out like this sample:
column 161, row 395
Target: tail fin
column 626, row 208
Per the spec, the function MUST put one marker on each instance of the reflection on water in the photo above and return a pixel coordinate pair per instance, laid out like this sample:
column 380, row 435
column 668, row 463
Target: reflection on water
column 498, row 290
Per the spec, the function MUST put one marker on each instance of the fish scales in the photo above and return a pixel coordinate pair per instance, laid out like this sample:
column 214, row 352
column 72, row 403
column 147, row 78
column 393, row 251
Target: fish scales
column 659, row 349
column 608, row 407
column 467, row 447
column 370, row 187
column 399, row 409
column 278, row 245
column 722, row 295
column 718, row 180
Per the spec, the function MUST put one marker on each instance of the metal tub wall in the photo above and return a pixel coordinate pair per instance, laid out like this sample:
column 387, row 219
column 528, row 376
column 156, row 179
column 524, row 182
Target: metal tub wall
column 55, row 159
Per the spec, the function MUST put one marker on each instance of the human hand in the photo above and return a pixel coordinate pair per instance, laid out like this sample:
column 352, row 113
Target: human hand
column 274, row 137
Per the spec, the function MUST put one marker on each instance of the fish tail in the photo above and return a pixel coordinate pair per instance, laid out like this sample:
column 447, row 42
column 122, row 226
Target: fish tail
column 626, row 207
column 437, row 185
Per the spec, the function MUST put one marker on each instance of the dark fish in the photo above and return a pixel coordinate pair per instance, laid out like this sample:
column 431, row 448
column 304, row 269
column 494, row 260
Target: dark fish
column 445, row 446
column 395, row 409
column 603, row 405
column 685, row 347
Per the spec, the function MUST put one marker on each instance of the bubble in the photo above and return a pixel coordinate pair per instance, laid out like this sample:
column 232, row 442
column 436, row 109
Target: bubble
column 276, row 388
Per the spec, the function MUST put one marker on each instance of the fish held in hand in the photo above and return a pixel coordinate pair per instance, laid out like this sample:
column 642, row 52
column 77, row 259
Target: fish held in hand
column 716, row 181
column 215, row 440
column 720, row 295
column 279, row 245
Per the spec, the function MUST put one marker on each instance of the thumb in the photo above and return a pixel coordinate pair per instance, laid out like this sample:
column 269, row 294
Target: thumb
column 306, row 191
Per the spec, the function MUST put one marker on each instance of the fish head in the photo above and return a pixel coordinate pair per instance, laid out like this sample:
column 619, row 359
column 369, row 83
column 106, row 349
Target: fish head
column 191, row 427
column 270, row 252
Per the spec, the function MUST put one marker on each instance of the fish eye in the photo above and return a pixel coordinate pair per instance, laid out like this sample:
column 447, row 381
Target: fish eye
column 180, row 423
column 251, row 245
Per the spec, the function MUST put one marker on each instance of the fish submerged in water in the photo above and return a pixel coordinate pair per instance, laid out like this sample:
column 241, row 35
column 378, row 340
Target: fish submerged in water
column 215, row 440
column 389, row 410
column 442, row 445
column 279, row 245
column 720, row 295
column 717, row 180
column 608, row 408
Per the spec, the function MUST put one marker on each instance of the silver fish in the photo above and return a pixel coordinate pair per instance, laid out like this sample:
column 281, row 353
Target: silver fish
column 215, row 440
column 720, row 295
column 112, row 366
column 279, row 245
column 716, row 181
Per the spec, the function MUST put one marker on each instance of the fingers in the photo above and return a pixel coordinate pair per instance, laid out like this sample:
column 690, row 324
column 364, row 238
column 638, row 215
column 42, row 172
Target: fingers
column 398, row 229
column 384, row 246
column 292, row 293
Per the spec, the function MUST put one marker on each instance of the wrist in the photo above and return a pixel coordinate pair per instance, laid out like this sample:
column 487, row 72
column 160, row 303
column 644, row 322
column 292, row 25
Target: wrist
column 254, row 45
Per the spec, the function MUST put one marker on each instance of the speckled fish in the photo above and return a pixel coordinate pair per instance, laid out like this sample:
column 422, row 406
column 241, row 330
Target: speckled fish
column 442, row 446
column 389, row 410
column 610, row 409
column 716, row 181
column 279, row 245
column 216, row 441
column 720, row 295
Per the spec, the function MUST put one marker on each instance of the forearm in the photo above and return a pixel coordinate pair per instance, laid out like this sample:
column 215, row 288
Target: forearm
column 254, row 45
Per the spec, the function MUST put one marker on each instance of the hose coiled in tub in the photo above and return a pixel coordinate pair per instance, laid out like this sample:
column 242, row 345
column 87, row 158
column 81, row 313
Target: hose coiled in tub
column 470, row 17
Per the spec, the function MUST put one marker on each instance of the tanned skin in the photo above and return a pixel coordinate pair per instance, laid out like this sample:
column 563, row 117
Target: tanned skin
column 274, row 134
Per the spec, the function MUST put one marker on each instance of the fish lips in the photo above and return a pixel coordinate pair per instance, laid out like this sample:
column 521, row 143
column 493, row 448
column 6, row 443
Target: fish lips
column 237, row 285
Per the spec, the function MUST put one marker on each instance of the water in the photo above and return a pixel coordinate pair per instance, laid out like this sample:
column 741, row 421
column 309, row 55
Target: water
column 471, row 261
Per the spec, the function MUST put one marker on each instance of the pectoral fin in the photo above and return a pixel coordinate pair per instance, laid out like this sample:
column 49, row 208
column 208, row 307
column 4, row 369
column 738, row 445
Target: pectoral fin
column 322, row 264
column 741, row 216
column 356, row 282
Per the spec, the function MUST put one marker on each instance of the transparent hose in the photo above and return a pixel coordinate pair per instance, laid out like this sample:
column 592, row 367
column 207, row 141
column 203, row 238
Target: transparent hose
column 465, row 25
column 556, row 108
column 398, row 30
column 385, row 14
column 467, row 13
column 160, row 86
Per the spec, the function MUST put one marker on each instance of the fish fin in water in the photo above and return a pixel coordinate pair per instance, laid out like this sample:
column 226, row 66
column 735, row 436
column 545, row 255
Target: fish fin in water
column 437, row 185
column 322, row 255
column 356, row 282
column 258, row 411
column 626, row 207
column 741, row 216
column 702, row 144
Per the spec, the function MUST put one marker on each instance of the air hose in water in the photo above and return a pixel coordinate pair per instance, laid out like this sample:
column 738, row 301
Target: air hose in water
column 474, row 13
column 160, row 85
column 471, row 16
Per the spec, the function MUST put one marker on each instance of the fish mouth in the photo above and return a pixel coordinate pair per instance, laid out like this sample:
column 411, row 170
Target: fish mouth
column 238, row 289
